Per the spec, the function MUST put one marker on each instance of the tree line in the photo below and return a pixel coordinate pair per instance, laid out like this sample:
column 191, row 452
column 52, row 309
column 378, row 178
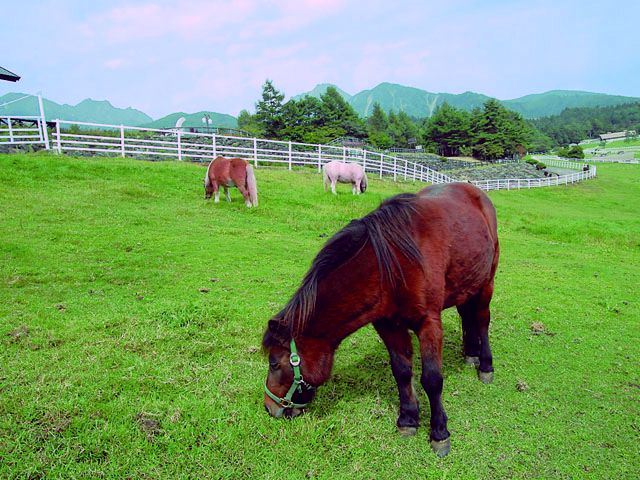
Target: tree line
column 486, row 133
column 576, row 124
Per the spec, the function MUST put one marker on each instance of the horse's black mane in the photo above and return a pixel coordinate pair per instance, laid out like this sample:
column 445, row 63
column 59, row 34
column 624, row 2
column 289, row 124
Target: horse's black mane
column 386, row 229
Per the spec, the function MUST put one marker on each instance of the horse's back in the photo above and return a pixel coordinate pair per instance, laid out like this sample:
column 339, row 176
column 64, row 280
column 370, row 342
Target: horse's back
column 461, row 197
column 457, row 223
column 343, row 171
column 223, row 168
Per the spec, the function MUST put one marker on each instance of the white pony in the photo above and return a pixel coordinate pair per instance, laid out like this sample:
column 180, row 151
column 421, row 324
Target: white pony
column 345, row 173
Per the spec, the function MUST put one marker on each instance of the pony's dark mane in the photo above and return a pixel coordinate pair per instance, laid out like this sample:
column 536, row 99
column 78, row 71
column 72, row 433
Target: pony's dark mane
column 388, row 230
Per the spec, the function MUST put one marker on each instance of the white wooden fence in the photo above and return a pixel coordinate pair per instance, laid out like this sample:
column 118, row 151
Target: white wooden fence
column 23, row 130
column 517, row 183
column 156, row 144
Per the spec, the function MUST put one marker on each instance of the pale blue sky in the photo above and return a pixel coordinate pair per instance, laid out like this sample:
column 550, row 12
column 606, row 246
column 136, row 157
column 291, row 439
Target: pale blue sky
column 166, row 56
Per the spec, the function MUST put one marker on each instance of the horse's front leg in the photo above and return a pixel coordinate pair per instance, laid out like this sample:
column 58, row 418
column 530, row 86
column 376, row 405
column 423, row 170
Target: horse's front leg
column 398, row 343
column 227, row 194
column 333, row 186
column 216, row 192
column 430, row 336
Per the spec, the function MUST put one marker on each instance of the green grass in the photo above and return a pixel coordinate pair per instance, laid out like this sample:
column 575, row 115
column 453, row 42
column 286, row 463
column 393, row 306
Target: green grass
column 121, row 358
column 634, row 142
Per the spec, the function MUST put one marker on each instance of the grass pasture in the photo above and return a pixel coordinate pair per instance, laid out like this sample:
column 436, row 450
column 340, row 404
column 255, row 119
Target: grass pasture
column 131, row 314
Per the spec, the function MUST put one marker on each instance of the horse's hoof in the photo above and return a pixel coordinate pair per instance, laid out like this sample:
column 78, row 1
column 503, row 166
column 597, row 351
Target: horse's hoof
column 485, row 377
column 441, row 447
column 407, row 431
column 471, row 360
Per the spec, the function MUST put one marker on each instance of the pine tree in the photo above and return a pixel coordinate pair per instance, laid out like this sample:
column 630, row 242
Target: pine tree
column 269, row 110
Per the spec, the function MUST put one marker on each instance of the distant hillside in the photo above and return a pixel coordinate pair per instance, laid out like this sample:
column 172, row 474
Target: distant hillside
column 95, row 111
column 194, row 120
column 320, row 90
column 413, row 101
column 554, row 102
column 420, row 103
column 576, row 124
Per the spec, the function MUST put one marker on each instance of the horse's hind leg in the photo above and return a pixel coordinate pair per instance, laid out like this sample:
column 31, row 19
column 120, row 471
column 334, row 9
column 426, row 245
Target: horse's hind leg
column 470, row 335
column 245, row 194
column 227, row 193
column 430, row 336
column 476, row 317
column 398, row 343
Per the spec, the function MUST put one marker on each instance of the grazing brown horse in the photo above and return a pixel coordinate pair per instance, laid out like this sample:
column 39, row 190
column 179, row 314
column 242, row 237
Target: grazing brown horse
column 397, row 268
column 231, row 172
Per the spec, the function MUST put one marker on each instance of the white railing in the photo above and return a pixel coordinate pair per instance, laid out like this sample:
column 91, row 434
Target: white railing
column 203, row 147
column 554, row 161
column 155, row 144
column 22, row 130
column 615, row 160
column 518, row 183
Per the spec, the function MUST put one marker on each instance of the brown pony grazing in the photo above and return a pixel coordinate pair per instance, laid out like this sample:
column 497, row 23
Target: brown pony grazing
column 397, row 268
column 231, row 172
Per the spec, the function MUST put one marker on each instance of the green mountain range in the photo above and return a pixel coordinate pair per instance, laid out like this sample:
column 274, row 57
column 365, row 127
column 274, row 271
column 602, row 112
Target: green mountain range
column 414, row 101
column 194, row 120
column 420, row 103
column 93, row 111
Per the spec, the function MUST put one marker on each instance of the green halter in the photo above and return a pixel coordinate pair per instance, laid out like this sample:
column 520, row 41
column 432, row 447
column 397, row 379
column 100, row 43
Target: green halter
column 298, row 383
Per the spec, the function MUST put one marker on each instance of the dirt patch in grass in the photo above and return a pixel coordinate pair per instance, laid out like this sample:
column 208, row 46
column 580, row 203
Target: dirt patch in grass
column 149, row 425
column 19, row 333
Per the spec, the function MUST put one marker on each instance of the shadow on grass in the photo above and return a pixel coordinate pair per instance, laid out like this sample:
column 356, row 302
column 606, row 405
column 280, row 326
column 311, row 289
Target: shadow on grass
column 368, row 376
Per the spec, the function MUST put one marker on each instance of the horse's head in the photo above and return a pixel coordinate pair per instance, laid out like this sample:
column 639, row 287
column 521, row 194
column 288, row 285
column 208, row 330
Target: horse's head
column 286, row 392
column 363, row 182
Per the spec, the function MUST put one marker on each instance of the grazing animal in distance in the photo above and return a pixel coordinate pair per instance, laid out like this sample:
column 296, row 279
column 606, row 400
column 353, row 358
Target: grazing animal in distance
column 342, row 172
column 396, row 268
column 231, row 172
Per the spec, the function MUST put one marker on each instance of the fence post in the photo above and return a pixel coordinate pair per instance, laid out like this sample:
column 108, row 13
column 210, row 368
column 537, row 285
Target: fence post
column 10, row 130
column 344, row 153
column 414, row 172
column 289, row 154
column 58, row 136
column 122, row 141
column 364, row 161
column 406, row 168
column 215, row 147
column 45, row 133
column 380, row 166
column 395, row 168
column 179, row 145
column 319, row 158
column 255, row 152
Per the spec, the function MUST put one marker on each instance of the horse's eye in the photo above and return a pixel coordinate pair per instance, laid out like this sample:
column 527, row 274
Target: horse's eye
column 274, row 365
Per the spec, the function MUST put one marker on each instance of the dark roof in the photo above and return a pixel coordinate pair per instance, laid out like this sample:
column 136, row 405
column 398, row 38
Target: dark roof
column 7, row 75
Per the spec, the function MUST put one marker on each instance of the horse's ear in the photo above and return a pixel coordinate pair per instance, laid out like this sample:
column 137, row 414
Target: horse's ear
column 276, row 334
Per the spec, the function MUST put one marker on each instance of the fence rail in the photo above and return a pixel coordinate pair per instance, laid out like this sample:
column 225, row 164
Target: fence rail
column 156, row 144
column 519, row 183
column 22, row 130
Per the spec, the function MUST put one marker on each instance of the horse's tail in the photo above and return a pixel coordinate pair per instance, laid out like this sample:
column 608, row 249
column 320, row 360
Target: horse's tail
column 363, row 182
column 252, row 186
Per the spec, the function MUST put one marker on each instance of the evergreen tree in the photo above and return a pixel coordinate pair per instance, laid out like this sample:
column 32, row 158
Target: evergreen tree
column 249, row 123
column 448, row 130
column 269, row 110
column 377, row 126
